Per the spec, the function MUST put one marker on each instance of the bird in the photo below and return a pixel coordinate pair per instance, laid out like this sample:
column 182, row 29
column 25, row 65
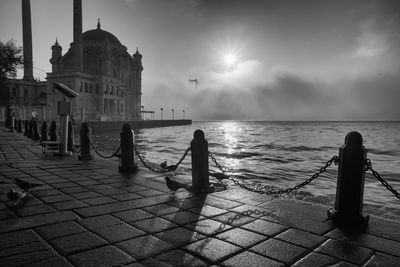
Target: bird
column 168, row 167
column 15, row 194
column 163, row 164
column 25, row 185
column 174, row 185
column 195, row 81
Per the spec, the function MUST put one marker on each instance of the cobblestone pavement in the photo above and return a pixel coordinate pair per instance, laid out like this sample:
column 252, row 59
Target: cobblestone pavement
column 86, row 213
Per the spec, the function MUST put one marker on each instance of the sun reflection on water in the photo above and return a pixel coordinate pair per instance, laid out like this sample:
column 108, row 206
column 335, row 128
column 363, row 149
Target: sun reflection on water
column 232, row 131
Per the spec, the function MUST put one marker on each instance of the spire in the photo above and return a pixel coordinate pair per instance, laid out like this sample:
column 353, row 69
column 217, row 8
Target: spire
column 56, row 43
column 137, row 50
column 98, row 23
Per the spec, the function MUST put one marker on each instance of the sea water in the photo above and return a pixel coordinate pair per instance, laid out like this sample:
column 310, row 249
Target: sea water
column 280, row 154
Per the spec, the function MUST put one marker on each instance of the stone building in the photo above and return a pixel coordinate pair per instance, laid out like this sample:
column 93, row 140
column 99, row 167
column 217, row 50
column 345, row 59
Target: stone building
column 97, row 66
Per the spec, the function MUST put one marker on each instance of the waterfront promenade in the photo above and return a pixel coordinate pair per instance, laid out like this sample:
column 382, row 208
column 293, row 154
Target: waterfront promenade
column 86, row 213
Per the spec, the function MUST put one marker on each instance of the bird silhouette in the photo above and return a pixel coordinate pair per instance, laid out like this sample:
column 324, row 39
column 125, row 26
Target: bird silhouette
column 174, row 185
column 24, row 185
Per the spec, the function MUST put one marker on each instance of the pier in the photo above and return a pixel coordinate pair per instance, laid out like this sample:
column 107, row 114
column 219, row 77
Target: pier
column 86, row 213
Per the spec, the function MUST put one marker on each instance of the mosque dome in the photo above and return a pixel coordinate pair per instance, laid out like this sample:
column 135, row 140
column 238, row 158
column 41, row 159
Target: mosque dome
column 99, row 35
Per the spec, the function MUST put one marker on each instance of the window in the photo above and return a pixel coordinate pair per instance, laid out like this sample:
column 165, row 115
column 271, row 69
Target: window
column 86, row 87
column 69, row 84
column 112, row 90
column 14, row 92
column 97, row 88
column 81, row 87
column 106, row 91
column 117, row 91
column 90, row 88
column 25, row 92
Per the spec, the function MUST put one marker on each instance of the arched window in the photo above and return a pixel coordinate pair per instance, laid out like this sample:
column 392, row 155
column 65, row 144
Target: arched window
column 81, row 87
column 106, row 91
column 25, row 92
column 97, row 88
column 90, row 88
column 112, row 90
column 14, row 92
column 86, row 87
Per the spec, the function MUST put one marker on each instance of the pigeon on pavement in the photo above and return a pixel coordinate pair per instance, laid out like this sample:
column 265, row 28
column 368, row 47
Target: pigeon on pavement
column 25, row 185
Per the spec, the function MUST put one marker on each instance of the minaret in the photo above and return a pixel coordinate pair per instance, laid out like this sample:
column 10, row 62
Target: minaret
column 137, row 79
column 77, row 44
column 27, row 39
column 56, row 55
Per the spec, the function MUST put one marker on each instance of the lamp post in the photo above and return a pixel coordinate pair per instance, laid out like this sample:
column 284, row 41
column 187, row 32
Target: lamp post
column 161, row 112
column 183, row 114
column 142, row 115
column 173, row 114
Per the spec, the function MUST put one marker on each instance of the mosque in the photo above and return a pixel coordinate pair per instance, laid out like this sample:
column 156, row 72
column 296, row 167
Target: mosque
column 96, row 65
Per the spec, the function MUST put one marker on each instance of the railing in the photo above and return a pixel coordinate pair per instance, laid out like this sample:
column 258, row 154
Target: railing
column 352, row 164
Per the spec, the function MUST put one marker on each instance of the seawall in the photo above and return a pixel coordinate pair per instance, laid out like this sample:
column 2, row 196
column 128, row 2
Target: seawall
column 107, row 125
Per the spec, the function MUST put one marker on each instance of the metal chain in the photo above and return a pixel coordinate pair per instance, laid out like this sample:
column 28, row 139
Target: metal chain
column 334, row 159
column 167, row 170
column 101, row 155
column 380, row 179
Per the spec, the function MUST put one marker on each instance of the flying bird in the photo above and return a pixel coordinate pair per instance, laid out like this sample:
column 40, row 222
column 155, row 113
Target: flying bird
column 195, row 81
column 25, row 185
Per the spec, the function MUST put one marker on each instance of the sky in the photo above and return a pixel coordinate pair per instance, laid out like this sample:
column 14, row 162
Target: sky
column 254, row 59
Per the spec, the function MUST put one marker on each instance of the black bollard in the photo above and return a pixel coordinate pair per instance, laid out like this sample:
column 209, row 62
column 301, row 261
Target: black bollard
column 44, row 131
column 35, row 130
column 53, row 131
column 19, row 126
column 26, row 128
column 70, row 142
column 200, row 170
column 30, row 132
column 350, row 185
column 85, row 143
column 127, row 153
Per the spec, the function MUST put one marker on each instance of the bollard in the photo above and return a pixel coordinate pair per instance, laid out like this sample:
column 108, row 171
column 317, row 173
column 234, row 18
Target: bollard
column 44, row 131
column 35, row 130
column 350, row 184
column 53, row 131
column 30, row 131
column 127, row 153
column 26, row 128
column 85, row 143
column 70, row 143
column 199, row 152
column 19, row 126
column 12, row 123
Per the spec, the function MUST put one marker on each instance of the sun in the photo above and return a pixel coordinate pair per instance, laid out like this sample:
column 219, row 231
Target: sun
column 230, row 59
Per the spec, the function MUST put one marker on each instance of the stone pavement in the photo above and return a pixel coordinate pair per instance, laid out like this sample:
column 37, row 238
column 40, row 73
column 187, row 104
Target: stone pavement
column 88, row 214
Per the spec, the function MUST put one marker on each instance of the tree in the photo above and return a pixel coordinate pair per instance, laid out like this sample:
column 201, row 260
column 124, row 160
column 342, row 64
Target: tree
column 11, row 59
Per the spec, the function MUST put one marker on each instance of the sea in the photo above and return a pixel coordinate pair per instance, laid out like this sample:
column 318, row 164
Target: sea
column 279, row 154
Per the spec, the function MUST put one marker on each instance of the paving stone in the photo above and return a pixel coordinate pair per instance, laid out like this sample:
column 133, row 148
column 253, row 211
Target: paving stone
column 98, row 200
column 345, row 251
column 145, row 246
column 161, row 209
column 248, row 258
column 59, row 230
column 265, row 227
column 65, row 184
column 104, row 256
column 36, row 220
column 44, row 193
column 208, row 227
column 316, row 259
column 383, row 228
column 77, row 242
column 83, row 195
column 118, row 232
column 241, row 237
column 187, row 204
column 51, row 262
column 179, row 236
column 38, row 245
column 183, row 217
column 68, row 205
column 27, row 258
column 154, row 225
column 107, row 208
column 149, row 192
column 221, row 203
column 126, row 196
column 279, row 250
column 100, row 221
column 180, row 258
column 208, row 211
column 6, row 214
column 234, row 219
column 56, row 198
column 133, row 215
column 301, row 238
column 76, row 189
column 381, row 259
column 212, row 249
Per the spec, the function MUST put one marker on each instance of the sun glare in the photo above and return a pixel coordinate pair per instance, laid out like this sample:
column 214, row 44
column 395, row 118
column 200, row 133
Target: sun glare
column 230, row 59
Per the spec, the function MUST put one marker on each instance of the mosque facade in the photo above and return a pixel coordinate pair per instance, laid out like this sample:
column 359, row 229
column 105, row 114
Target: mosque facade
column 96, row 65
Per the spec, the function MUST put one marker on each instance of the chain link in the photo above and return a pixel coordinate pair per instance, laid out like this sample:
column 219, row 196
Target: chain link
column 101, row 155
column 165, row 170
column 255, row 187
column 380, row 179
